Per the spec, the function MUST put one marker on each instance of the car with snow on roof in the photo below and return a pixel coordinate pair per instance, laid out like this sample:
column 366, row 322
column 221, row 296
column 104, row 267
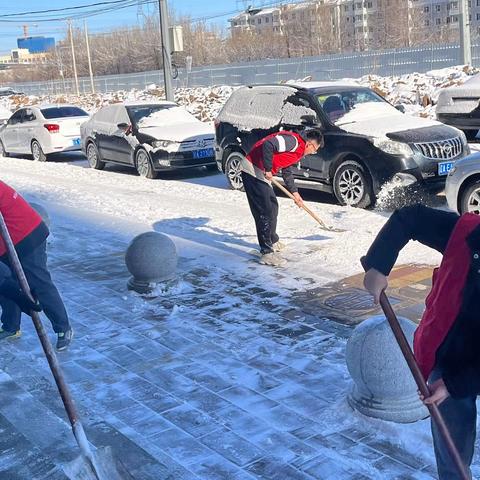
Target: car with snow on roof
column 148, row 136
column 368, row 141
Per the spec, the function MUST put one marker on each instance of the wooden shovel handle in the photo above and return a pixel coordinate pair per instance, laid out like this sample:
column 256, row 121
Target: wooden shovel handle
column 420, row 381
column 284, row 190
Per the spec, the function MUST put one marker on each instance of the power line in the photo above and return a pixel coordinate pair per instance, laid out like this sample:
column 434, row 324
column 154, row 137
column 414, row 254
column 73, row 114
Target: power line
column 76, row 7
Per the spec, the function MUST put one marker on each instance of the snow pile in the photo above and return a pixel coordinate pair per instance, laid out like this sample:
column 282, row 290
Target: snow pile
column 417, row 91
column 203, row 102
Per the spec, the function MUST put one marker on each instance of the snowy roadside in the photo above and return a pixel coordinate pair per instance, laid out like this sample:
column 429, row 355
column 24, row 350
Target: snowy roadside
column 418, row 92
column 204, row 211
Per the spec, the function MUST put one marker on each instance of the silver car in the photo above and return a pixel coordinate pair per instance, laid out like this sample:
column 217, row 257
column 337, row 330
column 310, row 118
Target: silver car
column 462, row 188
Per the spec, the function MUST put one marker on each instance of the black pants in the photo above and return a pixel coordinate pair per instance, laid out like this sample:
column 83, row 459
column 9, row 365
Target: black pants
column 460, row 415
column 264, row 207
column 35, row 267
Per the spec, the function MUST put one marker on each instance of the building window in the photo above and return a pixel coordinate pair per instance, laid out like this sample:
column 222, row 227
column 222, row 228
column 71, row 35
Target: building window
column 259, row 21
column 369, row 4
column 427, row 23
column 267, row 20
column 448, row 19
column 478, row 16
column 455, row 19
column 426, row 9
column 438, row 21
column 438, row 8
column 345, row 8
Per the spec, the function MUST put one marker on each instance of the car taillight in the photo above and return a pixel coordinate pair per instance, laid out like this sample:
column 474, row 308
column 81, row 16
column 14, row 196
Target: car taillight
column 52, row 127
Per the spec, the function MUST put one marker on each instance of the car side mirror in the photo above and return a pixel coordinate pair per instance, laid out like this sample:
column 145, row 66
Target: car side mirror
column 122, row 126
column 400, row 107
column 309, row 120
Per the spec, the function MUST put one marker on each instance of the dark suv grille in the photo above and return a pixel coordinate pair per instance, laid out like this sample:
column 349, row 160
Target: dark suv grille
column 441, row 150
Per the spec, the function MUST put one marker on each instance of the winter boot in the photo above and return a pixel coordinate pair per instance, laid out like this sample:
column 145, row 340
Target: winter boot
column 272, row 259
column 279, row 246
column 64, row 339
column 5, row 334
column 11, row 290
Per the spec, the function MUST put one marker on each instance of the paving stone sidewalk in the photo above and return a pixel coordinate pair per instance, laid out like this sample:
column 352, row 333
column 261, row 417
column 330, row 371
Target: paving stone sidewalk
column 222, row 379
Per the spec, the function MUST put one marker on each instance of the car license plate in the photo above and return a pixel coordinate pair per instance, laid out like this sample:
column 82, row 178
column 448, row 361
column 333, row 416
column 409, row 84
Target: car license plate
column 444, row 167
column 77, row 141
column 204, row 153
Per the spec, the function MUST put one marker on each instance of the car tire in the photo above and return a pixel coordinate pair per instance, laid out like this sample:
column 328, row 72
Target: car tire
column 470, row 198
column 352, row 185
column 3, row 153
column 470, row 134
column 143, row 164
column 93, row 157
column 37, row 152
column 233, row 170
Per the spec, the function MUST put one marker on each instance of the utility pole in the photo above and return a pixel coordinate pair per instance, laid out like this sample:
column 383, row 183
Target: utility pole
column 92, row 84
column 74, row 62
column 465, row 44
column 165, row 45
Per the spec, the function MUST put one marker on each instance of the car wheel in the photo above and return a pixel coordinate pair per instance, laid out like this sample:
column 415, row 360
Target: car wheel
column 233, row 170
column 470, row 199
column 144, row 165
column 37, row 152
column 93, row 157
column 470, row 134
column 3, row 153
column 352, row 185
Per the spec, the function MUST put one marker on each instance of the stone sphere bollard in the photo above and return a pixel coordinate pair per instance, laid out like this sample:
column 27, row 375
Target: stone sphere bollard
column 383, row 384
column 151, row 258
column 42, row 212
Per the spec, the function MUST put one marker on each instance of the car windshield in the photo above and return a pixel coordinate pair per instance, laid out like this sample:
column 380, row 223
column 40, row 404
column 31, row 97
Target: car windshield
column 159, row 115
column 354, row 105
column 62, row 112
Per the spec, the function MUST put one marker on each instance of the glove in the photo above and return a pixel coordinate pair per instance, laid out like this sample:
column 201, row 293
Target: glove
column 10, row 290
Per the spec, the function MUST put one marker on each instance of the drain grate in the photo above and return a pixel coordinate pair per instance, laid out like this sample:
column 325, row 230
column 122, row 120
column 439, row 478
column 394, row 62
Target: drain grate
column 350, row 300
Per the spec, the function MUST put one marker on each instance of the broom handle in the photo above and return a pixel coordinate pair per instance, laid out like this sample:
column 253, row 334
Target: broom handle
column 42, row 335
column 284, row 190
column 421, row 384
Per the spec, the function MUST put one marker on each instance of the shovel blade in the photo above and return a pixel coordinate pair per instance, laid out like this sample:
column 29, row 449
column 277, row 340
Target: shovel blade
column 105, row 467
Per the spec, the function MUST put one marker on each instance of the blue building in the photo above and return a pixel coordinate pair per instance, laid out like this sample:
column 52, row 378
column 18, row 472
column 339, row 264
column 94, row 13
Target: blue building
column 36, row 44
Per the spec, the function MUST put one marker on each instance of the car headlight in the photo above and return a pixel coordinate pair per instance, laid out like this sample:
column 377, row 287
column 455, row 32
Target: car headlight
column 463, row 138
column 162, row 143
column 392, row 147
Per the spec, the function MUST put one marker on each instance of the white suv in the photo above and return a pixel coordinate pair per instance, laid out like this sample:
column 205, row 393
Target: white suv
column 42, row 130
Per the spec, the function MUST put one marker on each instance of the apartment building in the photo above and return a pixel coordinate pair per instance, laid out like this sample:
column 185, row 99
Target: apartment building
column 362, row 24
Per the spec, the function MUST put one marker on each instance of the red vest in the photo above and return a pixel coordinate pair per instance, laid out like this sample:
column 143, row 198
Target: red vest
column 20, row 217
column 280, row 159
column 444, row 302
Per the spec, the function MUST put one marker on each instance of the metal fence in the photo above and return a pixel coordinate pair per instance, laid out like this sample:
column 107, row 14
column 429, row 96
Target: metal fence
column 327, row 67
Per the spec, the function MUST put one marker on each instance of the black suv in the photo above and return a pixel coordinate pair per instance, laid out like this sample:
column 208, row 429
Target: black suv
column 368, row 141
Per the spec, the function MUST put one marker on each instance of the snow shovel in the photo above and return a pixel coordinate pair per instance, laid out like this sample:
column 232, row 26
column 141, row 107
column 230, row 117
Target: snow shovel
column 420, row 381
column 312, row 214
column 98, row 464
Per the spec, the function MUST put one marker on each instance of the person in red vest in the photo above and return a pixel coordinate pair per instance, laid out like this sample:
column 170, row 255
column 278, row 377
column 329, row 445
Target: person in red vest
column 29, row 235
column 276, row 152
column 446, row 343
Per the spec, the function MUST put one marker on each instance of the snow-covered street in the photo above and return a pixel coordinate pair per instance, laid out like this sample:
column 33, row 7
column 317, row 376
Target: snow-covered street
column 224, row 377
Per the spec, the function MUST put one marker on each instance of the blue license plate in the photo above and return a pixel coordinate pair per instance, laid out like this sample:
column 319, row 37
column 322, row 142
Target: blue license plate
column 77, row 141
column 444, row 167
column 204, row 153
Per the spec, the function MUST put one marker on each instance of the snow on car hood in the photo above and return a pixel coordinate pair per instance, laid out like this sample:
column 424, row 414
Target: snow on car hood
column 179, row 132
column 377, row 119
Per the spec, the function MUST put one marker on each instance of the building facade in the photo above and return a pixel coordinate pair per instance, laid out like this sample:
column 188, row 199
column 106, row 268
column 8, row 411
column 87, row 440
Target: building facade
column 347, row 25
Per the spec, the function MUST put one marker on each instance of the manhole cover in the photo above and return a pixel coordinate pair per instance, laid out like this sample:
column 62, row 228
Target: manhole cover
column 357, row 300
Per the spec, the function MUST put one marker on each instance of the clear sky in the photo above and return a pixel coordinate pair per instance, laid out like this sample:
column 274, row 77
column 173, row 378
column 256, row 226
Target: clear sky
column 9, row 31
